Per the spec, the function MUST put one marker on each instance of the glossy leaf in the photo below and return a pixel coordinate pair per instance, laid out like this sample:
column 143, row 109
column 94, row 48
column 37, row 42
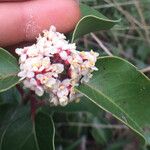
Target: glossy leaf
column 8, row 70
column 15, row 128
column 119, row 88
column 44, row 131
column 91, row 21
column 10, row 96
column 18, row 132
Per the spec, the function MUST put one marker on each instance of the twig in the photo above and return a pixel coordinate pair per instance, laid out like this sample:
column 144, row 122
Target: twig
column 130, row 18
column 34, row 104
column 139, row 9
column 112, row 5
column 101, row 44
column 83, row 143
column 127, row 36
column 21, row 91
column 130, row 28
column 33, row 107
column 103, row 126
column 147, row 69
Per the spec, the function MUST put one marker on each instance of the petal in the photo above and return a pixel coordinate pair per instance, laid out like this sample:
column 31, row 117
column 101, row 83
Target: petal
column 39, row 91
column 22, row 74
column 33, row 81
column 63, row 92
column 51, row 82
column 23, row 58
column 19, row 51
column 66, row 82
column 63, row 101
column 30, row 74
column 54, row 100
column 63, row 55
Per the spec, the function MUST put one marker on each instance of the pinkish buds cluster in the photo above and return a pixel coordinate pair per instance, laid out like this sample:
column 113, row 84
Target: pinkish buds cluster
column 54, row 66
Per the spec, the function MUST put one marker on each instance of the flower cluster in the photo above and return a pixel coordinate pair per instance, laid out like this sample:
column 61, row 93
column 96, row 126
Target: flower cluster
column 54, row 66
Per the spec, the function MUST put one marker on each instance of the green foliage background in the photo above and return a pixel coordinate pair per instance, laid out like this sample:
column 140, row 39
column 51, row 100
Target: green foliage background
column 83, row 125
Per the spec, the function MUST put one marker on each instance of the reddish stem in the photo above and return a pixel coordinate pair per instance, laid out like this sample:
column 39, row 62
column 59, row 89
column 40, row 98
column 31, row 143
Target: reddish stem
column 34, row 103
column 41, row 103
column 21, row 91
column 33, row 107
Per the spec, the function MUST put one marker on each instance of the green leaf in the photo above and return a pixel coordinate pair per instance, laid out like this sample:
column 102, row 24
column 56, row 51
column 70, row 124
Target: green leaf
column 84, row 105
column 11, row 96
column 18, row 132
column 15, row 128
column 91, row 21
column 119, row 88
column 8, row 70
column 44, row 131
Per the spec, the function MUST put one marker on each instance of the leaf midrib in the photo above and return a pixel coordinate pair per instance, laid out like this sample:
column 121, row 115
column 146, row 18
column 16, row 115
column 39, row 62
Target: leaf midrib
column 109, row 99
column 7, row 76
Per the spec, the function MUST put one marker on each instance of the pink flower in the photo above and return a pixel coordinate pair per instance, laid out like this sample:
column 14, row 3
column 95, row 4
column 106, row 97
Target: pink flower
column 54, row 66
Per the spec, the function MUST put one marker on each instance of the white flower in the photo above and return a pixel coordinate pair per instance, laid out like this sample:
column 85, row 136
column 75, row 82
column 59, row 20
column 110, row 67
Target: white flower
column 66, row 82
column 41, row 78
column 51, row 50
column 33, row 82
column 63, row 55
column 58, row 68
column 30, row 74
column 63, row 101
column 23, row 58
column 71, row 47
column 19, row 51
column 54, row 66
column 32, row 51
column 86, row 78
column 39, row 90
column 54, row 100
column 27, row 84
column 46, row 62
column 22, row 74
column 50, row 82
column 63, row 91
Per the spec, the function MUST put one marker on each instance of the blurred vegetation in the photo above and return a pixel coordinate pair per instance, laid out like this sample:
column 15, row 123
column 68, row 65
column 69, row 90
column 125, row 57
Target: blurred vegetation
column 129, row 39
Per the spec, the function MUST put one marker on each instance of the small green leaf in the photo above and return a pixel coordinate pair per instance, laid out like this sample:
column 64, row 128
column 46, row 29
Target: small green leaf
column 119, row 88
column 44, row 131
column 8, row 70
column 91, row 21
